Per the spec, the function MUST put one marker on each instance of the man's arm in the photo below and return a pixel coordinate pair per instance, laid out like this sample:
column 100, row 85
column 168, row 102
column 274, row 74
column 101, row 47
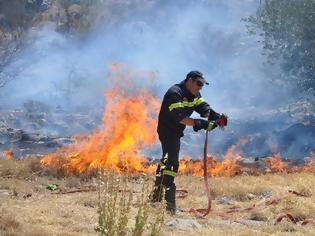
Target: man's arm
column 202, row 107
column 212, row 115
column 198, row 124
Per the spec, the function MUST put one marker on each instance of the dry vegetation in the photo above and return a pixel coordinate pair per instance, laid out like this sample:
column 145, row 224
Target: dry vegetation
column 27, row 207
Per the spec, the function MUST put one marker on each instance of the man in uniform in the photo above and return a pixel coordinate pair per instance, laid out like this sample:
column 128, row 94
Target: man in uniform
column 178, row 104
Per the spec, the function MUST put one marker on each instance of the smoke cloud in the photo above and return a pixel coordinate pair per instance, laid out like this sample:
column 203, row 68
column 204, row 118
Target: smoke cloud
column 169, row 38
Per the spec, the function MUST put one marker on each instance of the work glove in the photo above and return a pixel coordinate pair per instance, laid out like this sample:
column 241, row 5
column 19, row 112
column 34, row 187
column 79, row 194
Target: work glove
column 222, row 121
column 203, row 124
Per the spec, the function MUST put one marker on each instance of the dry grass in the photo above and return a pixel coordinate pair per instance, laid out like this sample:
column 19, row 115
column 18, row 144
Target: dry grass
column 19, row 168
column 10, row 225
column 28, row 208
column 238, row 189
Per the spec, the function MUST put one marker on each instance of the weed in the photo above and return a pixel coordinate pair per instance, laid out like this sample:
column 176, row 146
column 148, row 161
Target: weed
column 107, row 210
column 157, row 223
column 143, row 210
column 116, row 195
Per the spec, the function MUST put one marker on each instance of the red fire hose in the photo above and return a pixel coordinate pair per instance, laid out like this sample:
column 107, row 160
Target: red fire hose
column 204, row 212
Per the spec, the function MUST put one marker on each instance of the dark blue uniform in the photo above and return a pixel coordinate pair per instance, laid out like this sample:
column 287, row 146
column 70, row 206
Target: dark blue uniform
column 177, row 104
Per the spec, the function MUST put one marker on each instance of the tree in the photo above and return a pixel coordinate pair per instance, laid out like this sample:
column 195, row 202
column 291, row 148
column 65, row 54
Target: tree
column 16, row 17
column 288, row 31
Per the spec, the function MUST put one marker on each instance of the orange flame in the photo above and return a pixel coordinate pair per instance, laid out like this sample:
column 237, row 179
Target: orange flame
column 227, row 167
column 188, row 166
column 128, row 125
column 275, row 164
column 8, row 154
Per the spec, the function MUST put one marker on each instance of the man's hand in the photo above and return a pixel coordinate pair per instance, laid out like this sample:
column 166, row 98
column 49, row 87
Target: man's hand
column 203, row 124
column 222, row 121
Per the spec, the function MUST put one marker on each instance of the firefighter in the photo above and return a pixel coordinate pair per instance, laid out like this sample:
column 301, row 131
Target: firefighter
column 178, row 104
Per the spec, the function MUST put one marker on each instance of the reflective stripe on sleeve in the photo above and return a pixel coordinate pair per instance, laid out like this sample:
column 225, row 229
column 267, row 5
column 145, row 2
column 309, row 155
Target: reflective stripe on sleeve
column 195, row 102
column 199, row 101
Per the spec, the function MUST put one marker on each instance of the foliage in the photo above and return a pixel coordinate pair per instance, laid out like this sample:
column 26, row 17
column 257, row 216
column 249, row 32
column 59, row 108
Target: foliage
column 16, row 17
column 142, row 215
column 115, row 208
column 287, row 28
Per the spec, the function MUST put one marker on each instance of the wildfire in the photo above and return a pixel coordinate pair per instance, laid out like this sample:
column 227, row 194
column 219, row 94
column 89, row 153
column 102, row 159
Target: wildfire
column 228, row 167
column 128, row 125
column 275, row 164
column 8, row 154
column 188, row 166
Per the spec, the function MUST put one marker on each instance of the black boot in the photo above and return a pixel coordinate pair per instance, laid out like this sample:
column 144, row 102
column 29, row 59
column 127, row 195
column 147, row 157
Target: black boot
column 170, row 191
column 170, row 199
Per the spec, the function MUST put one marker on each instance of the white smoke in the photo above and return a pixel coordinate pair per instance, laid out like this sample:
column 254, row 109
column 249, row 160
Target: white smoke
column 169, row 38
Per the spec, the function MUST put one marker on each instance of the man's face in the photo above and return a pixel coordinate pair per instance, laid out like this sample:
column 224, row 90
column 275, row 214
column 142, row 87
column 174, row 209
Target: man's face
column 194, row 86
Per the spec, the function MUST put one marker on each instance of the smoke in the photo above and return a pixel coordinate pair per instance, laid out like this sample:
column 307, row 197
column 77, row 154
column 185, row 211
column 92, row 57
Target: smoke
column 169, row 38
column 177, row 38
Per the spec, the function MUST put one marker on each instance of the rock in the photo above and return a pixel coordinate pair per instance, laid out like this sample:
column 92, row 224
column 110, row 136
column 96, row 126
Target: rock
column 250, row 196
column 4, row 192
column 224, row 201
column 183, row 224
column 266, row 194
column 239, row 222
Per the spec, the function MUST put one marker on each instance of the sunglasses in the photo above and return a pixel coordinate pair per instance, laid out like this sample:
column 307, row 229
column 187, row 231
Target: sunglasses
column 199, row 83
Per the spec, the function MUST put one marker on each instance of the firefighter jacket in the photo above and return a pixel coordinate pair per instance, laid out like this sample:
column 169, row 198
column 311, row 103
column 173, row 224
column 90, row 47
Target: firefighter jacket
column 177, row 104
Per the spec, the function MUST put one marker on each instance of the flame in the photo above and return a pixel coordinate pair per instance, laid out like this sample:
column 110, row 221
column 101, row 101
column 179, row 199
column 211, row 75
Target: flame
column 230, row 165
column 188, row 166
column 275, row 164
column 227, row 167
column 8, row 154
column 128, row 125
